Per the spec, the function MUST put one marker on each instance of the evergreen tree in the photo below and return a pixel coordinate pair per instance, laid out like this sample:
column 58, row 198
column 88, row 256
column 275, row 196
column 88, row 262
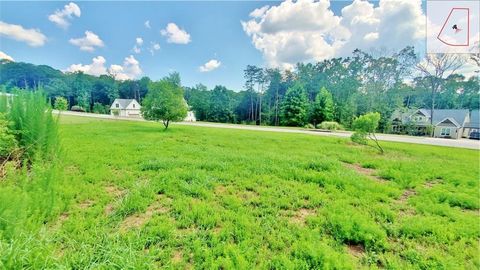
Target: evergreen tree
column 294, row 106
column 322, row 108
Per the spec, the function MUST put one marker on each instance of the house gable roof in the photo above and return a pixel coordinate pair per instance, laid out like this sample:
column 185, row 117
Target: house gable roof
column 458, row 115
column 448, row 120
column 123, row 103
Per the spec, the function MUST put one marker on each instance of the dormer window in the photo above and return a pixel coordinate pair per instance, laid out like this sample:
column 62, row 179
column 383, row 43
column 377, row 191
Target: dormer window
column 133, row 105
column 117, row 105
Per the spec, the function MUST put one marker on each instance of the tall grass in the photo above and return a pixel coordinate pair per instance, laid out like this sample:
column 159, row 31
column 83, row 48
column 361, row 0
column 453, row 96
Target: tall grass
column 32, row 123
column 29, row 176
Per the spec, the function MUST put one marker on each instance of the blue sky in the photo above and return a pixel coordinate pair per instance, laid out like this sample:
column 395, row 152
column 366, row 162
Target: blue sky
column 278, row 35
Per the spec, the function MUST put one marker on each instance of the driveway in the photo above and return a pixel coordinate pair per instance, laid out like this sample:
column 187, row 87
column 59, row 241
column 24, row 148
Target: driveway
column 461, row 143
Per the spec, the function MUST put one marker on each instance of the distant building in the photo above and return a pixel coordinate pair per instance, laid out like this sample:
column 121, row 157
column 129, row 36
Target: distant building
column 125, row 108
column 190, row 117
column 472, row 127
column 445, row 124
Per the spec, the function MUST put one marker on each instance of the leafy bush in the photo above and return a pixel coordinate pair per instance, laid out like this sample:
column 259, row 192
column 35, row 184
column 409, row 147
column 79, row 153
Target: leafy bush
column 365, row 126
column 330, row 125
column 33, row 125
column 77, row 108
column 8, row 143
column 61, row 104
column 115, row 112
column 99, row 108
column 309, row 126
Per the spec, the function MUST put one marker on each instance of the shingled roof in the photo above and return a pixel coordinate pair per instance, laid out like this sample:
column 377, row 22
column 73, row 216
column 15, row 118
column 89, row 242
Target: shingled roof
column 123, row 103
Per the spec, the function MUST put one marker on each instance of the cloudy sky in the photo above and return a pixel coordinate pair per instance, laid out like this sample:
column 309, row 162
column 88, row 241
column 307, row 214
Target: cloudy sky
column 207, row 42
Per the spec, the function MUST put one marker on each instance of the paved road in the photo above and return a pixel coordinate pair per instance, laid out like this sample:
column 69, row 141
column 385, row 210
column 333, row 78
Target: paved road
column 461, row 143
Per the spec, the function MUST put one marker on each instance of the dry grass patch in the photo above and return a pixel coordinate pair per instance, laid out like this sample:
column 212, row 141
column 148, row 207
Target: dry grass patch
column 137, row 220
column 114, row 191
column 356, row 250
column 406, row 195
column 364, row 171
column 300, row 216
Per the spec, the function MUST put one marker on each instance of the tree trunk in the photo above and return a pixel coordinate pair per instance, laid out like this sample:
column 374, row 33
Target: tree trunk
column 166, row 123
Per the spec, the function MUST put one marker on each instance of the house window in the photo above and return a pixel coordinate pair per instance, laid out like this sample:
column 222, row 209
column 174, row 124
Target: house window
column 445, row 132
column 133, row 105
column 117, row 105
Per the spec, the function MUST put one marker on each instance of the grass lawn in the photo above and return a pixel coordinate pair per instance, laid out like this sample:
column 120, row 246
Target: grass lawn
column 130, row 195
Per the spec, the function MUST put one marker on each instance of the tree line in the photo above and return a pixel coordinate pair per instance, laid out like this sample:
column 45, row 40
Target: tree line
column 333, row 90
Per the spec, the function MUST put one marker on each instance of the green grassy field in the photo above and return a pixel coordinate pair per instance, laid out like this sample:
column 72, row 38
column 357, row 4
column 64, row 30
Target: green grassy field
column 130, row 195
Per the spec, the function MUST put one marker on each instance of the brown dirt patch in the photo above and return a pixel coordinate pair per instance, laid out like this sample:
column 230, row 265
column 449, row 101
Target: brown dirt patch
column 356, row 250
column 86, row 204
column 220, row 190
column 406, row 195
column 59, row 222
column 108, row 209
column 114, row 191
column 432, row 183
column 365, row 171
column 177, row 256
column 301, row 215
column 137, row 220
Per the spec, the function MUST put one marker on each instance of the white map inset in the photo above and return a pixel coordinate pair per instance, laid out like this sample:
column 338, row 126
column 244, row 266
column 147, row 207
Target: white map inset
column 453, row 27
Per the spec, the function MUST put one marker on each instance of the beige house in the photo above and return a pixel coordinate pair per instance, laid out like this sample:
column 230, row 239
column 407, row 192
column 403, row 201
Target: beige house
column 445, row 123
column 125, row 108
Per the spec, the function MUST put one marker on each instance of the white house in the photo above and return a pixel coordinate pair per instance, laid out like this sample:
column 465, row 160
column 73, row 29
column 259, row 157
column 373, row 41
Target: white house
column 190, row 117
column 125, row 108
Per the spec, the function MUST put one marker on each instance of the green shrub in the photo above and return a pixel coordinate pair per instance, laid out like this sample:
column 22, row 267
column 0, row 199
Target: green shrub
column 99, row 108
column 33, row 124
column 366, row 126
column 309, row 126
column 60, row 104
column 8, row 143
column 330, row 125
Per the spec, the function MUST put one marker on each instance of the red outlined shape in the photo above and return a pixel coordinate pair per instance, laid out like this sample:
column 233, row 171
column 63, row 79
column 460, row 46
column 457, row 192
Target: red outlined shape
column 468, row 28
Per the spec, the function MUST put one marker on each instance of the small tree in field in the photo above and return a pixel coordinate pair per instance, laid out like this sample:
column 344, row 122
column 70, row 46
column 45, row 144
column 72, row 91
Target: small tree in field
column 365, row 127
column 164, row 101
column 60, row 104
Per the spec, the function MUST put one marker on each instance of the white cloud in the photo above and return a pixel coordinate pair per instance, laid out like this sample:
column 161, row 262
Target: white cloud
column 129, row 70
column 138, row 44
column 175, row 35
column 210, row 65
column 32, row 37
column 154, row 47
column 257, row 13
column 147, row 24
column 308, row 30
column 88, row 43
column 96, row 68
column 61, row 17
column 5, row 56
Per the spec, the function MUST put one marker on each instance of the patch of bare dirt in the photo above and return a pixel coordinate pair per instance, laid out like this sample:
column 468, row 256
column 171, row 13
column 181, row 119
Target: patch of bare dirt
column 177, row 256
column 432, row 183
column 220, row 190
column 137, row 220
column 108, row 209
column 356, row 250
column 248, row 195
column 86, row 204
column 114, row 191
column 365, row 171
column 301, row 215
column 59, row 222
column 406, row 195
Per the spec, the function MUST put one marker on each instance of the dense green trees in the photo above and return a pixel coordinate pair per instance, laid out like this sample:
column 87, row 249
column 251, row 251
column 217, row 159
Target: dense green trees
column 322, row 108
column 337, row 89
column 294, row 106
column 164, row 101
